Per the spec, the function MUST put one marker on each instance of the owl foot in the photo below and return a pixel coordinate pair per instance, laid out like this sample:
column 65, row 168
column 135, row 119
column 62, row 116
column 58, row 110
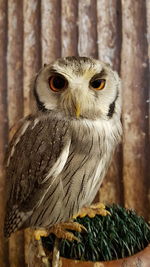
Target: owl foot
column 93, row 210
column 60, row 230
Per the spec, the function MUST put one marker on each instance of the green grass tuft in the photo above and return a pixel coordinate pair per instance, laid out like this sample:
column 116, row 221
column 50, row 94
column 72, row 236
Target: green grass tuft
column 119, row 235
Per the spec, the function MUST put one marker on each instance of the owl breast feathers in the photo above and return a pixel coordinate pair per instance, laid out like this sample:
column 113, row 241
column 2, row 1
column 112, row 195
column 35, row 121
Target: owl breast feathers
column 60, row 153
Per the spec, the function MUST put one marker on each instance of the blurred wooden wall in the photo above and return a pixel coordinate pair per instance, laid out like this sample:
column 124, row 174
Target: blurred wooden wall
column 34, row 32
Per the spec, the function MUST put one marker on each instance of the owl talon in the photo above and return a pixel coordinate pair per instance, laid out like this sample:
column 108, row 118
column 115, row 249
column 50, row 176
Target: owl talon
column 93, row 210
column 74, row 226
column 60, row 230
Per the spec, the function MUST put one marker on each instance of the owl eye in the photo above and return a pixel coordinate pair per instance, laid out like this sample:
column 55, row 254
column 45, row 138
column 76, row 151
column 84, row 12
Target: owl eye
column 57, row 83
column 98, row 84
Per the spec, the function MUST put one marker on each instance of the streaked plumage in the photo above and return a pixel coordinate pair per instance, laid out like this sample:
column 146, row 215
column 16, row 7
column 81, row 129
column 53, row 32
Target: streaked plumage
column 60, row 154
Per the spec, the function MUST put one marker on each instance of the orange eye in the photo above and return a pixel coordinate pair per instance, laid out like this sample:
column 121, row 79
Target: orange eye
column 98, row 84
column 57, row 83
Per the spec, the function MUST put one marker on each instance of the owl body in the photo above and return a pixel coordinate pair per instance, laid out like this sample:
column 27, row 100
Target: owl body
column 61, row 153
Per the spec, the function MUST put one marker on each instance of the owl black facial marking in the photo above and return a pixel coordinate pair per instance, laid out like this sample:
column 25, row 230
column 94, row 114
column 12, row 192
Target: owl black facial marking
column 112, row 107
column 39, row 103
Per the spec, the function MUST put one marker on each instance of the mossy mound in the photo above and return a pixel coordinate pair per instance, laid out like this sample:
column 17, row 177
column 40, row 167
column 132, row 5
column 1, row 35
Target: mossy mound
column 119, row 235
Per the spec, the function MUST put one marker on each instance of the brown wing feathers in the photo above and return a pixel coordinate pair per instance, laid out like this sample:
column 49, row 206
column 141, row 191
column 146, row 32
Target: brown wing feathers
column 33, row 152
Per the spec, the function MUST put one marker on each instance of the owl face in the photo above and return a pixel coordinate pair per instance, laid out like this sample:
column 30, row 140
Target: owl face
column 78, row 87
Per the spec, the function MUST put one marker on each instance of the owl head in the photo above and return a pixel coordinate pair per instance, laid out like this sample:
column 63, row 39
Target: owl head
column 78, row 87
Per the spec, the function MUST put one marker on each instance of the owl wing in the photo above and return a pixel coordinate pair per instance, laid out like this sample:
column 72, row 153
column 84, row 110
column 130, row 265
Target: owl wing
column 36, row 155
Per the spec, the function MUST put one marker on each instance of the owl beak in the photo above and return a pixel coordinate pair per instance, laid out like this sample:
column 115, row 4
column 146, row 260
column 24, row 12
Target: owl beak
column 73, row 96
column 78, row 110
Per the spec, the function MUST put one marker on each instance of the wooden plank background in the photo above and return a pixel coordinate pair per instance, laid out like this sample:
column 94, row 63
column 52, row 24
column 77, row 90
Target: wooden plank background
column 117, row 31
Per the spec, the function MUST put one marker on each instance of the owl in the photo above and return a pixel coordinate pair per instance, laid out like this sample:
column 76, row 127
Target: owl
column 60, row 153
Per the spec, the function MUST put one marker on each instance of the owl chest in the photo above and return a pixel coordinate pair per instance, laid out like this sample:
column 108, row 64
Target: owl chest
column 86, row 163
column 95, row 170
column 91, row 141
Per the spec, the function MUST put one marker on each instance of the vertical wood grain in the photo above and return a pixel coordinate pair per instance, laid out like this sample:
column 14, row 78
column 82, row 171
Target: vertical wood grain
column 148, row 41
column 69, row 35
column 50, row 35
column 3, row 126
column 148, row 99
column 15, row 61
column 109, row 40
column 148, row 26
column 87, row 32
column 109, row 31
column 134, row 70
column 15, row 100
column 32, row 49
